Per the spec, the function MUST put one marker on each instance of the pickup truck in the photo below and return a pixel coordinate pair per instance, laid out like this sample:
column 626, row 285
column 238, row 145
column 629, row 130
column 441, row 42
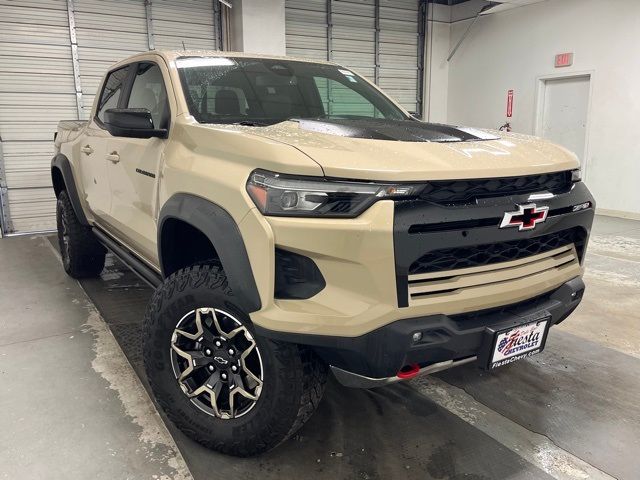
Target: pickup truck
column 295, row 221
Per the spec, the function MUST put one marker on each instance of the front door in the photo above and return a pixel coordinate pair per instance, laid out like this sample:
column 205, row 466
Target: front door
column 133, row 166
column 93, row 147
column 564, row 112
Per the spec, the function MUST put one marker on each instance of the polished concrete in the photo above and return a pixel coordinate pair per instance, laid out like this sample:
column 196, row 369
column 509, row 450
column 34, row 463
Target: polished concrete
column 568, row 413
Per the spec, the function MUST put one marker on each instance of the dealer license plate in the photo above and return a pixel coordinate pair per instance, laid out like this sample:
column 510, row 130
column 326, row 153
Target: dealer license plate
column 518, row 343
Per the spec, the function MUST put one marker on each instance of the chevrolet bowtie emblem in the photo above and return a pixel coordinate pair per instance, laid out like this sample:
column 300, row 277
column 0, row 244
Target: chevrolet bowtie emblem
column 526, row 217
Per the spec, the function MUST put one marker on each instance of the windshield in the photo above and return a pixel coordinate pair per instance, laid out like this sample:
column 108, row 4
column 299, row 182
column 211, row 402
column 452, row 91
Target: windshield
column 256, row 91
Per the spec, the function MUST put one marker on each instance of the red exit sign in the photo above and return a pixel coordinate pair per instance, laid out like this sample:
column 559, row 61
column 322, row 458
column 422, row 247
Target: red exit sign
column 564, row 60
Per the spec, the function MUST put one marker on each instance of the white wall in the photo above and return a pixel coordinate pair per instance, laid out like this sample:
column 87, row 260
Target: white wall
column 257, row 26
column 512, row 49
column 436, row 73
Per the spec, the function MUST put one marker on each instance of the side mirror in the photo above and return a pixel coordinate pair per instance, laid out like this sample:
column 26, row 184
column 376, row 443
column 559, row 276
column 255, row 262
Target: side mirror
column 132, row 122
column 416, row 115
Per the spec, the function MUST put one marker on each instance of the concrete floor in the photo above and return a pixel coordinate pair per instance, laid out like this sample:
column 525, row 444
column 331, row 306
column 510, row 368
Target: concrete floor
column 568, row 413
column 71, row 406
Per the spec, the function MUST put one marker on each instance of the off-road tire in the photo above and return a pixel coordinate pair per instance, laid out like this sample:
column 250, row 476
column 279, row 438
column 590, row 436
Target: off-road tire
column 82, row 255
column 294, row 378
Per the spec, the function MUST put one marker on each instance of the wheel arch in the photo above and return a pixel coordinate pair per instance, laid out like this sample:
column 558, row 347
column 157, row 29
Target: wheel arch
column 222, row 232
column 62, row 179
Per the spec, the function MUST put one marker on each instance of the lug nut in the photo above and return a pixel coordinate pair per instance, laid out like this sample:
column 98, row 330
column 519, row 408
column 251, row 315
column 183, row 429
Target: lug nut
column 234, row 369
column 207, row 352
column 232, row 351
column 211, row 368
column 218, row 343
column 223, row 376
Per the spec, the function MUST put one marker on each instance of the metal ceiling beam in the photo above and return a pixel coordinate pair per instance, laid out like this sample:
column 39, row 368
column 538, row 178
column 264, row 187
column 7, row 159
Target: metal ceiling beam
column 466, row 32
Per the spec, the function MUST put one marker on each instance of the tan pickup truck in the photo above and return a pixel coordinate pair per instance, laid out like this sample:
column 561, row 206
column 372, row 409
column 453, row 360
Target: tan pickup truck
column 296, row 221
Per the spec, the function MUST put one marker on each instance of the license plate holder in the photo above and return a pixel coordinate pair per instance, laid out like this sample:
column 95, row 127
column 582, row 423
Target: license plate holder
column 506, row 344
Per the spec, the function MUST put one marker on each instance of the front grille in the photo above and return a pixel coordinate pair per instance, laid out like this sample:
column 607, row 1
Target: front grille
column 464, row 191
column 481, row 255
column 478, row 281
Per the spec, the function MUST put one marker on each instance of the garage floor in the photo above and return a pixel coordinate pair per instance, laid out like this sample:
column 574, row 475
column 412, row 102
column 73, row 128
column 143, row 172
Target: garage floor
column 68, row 393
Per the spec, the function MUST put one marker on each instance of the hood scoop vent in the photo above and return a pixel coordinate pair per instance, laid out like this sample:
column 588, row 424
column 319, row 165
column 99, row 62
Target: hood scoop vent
column 394, row 130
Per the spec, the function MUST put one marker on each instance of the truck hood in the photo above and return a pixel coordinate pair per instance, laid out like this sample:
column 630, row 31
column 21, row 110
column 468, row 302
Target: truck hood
column 373, row 151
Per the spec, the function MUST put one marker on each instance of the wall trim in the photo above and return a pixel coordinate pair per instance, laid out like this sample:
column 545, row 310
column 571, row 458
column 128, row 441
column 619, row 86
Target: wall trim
column 618, row 213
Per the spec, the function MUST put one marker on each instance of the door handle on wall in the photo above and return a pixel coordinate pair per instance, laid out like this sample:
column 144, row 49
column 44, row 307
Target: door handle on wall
column 87, row 149
column 113, row 157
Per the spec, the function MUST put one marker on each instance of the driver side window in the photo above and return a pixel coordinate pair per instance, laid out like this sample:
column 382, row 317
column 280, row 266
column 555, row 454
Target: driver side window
column 112, row 90
column 148, row 91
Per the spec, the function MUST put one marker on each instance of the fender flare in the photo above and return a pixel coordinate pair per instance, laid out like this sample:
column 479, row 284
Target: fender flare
column 223, row 233
column 61, row 163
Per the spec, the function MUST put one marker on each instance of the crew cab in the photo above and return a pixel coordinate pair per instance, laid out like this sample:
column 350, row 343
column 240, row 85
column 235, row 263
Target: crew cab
column 295, row 221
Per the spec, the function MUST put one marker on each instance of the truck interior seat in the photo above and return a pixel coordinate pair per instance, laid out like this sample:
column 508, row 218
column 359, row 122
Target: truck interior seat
column 227, row 102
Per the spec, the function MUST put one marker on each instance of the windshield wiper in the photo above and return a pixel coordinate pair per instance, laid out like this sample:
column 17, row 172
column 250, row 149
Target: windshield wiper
column 251, row 123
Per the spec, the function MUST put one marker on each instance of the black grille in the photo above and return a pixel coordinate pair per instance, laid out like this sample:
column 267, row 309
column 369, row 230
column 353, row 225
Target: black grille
column 480, row 255
column 461, row 191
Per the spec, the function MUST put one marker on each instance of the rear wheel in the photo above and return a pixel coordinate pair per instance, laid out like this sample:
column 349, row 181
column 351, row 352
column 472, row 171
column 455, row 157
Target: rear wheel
column 82, row 255
column 219, row 382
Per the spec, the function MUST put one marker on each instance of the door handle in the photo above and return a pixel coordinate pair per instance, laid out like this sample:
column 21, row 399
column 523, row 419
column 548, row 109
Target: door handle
column 87, row 149
column 113, row 157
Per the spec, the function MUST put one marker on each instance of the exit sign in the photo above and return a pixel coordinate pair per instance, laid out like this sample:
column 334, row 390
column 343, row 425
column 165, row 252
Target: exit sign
column 564, row 60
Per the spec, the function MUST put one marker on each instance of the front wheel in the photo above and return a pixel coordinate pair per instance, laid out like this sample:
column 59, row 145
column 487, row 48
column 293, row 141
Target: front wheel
column 219, row 382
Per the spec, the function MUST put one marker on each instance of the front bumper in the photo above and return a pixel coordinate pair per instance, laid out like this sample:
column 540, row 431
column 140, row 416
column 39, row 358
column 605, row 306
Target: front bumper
column 377, row 357
column 367, row 262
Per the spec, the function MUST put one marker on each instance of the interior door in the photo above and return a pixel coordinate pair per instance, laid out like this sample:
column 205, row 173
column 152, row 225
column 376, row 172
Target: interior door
column 133, row 166
column 564, row 115
column 93, row 147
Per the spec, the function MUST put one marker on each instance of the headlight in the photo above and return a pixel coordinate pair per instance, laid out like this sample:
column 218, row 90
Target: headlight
column 281, row 195
column 576, row 175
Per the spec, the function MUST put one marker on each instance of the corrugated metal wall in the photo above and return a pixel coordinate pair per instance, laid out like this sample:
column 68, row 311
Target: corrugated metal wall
column 38, row 88
column 380, row 39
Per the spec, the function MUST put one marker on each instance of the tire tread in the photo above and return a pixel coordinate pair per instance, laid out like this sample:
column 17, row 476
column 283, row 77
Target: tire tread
column 87, row 255
column 303, row 369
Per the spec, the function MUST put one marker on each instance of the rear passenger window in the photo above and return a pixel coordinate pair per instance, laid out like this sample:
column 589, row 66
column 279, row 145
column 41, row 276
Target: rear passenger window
column 148, row 91
column 111, row 91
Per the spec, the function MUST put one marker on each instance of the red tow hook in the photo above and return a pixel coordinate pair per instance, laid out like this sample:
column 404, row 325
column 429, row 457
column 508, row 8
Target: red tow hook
column 409, row 371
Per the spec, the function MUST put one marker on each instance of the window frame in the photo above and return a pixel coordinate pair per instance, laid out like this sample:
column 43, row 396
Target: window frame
column 103, row 86
column 184, row 85
column 127, row 84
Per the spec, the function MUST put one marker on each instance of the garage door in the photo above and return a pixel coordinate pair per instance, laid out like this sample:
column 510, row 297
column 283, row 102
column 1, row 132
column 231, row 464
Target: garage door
column 380, row 39
column 38, row 85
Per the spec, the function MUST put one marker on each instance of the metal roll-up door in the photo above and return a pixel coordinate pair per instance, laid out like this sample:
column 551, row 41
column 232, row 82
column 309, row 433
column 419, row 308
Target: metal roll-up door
column 353, row 35
column 399, row 51
column 41, row 41
column 36, row 90
column 107, row 31
column 380, row 39
column 178, row 24
column 306, row 28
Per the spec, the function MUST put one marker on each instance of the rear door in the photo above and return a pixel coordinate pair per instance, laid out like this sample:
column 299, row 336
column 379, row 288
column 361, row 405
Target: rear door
column 93, row 146
column 133, row 164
